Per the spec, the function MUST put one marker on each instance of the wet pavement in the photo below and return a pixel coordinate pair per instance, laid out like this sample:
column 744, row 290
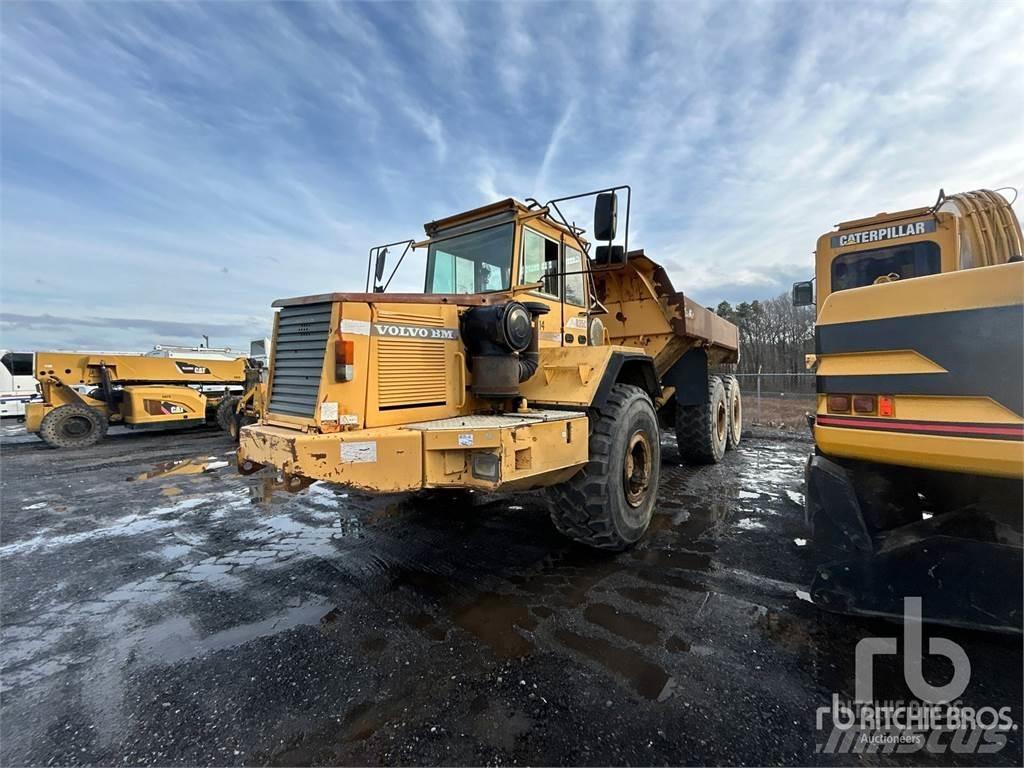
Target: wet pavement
column 158, row 608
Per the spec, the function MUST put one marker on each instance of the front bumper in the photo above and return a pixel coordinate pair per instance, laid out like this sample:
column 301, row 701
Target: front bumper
column 508, row 452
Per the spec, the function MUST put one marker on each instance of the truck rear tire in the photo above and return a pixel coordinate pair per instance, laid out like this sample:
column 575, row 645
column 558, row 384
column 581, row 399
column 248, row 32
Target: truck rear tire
column 734, row 404
column 73, row 426
column 609, row 503
column 702, row 430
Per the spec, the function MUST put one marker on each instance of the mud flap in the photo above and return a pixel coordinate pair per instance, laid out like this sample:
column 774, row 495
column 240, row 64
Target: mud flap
column 962, row 583
column 831, row 509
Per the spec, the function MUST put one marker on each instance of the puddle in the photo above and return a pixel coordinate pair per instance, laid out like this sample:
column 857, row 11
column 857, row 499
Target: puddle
column 196, row 466
column 503, row 622
column 643, row 675
column 175, row 639
column 269, row 488
column 626, row 625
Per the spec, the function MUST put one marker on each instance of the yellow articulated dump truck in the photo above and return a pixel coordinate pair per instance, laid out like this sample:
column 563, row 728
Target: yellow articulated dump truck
column 527, row 362
column 139, row 391
column 914, row 488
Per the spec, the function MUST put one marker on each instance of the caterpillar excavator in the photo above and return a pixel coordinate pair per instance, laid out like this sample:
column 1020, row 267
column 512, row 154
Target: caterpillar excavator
column 914, row 487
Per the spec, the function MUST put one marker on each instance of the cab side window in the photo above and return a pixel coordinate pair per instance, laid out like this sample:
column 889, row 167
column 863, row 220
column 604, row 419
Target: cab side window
column 575, row 285
column 540, row 262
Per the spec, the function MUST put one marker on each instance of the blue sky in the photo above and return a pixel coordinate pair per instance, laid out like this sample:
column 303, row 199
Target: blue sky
column 170, row 169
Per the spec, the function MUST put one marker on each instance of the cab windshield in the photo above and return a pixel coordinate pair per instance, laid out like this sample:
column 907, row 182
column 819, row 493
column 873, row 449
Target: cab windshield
column 476, row 262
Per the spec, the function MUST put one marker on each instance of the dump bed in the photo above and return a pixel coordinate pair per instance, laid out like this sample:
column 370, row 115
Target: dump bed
column 646, row 311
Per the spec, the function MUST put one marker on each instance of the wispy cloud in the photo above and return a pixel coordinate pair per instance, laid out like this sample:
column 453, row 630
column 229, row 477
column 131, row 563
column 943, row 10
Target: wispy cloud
column 189, row 163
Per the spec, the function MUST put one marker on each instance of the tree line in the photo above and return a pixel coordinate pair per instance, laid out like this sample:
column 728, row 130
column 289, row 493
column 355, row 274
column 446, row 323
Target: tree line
column 774, row 335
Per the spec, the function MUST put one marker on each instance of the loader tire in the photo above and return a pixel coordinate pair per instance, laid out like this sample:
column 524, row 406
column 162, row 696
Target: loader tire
column 73, row 426
column 609, row 503
column 702, row 430
column 734, row 404
column 227, row 414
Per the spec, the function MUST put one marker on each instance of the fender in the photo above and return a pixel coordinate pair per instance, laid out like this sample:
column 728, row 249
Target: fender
column 628, row 368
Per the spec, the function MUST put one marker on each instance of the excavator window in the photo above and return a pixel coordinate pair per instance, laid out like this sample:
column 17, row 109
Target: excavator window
column 853, row 270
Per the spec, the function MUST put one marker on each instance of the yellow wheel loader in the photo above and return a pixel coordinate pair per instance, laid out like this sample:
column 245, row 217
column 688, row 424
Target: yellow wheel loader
column 914, row 488
column 526, row 362
column 138, row 391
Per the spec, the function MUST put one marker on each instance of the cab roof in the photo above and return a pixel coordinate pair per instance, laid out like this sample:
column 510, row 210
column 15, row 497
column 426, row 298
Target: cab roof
column 509, row 207
column 910, row 213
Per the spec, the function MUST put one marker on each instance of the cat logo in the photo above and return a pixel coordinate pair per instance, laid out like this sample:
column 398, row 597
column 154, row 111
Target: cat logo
column 191, row 368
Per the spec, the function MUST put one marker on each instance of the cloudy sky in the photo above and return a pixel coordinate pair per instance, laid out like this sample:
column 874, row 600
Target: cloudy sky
column 170, row 169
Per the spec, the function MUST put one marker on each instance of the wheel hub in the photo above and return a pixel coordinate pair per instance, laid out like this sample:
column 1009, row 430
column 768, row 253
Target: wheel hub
column 76, row 426
column 637, row 468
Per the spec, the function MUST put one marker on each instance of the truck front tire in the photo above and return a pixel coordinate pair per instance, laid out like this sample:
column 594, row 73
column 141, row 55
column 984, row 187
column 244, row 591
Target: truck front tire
column 73, row 426
column 702, row 430
column 609, row 503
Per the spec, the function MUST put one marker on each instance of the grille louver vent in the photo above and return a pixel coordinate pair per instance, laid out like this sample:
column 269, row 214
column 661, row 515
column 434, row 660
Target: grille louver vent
column 299, row 349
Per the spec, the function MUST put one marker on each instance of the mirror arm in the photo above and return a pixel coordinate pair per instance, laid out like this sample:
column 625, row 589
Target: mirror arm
column 408, row 245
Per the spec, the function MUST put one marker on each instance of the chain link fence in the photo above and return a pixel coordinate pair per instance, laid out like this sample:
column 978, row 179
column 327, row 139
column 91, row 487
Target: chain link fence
column 777, row 399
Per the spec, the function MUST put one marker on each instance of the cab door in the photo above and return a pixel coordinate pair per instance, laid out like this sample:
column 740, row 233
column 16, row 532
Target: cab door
column 547, row 260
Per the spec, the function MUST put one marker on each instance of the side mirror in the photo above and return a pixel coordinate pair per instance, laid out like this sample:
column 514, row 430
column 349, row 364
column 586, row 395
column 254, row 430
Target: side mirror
column 803, row 294
column 609, row 255
column 378, row 268
column 606, row 216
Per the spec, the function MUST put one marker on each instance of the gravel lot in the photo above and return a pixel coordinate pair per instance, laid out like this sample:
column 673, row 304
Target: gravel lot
column 158, row 608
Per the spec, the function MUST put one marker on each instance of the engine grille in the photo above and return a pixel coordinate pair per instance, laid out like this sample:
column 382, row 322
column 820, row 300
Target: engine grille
column 411, row 373
column 299, row 350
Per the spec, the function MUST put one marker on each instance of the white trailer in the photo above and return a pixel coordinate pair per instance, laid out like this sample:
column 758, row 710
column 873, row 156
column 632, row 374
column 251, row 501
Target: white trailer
column 17, row 384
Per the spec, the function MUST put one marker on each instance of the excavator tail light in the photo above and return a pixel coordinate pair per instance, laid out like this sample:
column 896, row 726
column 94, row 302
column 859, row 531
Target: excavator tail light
column 864, row 404
column 886, row 405
column 838, row 403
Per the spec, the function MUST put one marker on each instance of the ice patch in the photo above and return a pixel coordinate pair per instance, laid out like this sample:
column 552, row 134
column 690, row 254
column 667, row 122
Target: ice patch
column 805, row 596
column 796, row 497
column 800, row 542
column 749, row 524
